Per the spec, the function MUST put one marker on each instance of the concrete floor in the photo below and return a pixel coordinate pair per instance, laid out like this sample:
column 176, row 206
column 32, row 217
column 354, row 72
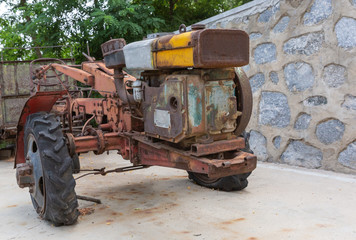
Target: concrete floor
column 281, row 202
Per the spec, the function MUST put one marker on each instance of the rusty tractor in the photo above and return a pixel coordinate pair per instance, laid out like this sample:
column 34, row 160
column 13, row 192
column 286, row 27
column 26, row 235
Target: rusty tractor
column 187, row 109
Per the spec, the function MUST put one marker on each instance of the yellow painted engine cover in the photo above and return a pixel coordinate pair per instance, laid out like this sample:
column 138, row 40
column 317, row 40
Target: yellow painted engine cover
column 208, row 48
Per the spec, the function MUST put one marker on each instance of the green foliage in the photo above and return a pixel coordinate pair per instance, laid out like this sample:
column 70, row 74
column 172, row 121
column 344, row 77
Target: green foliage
column 33, row 23
column 176, row 12
column 120, row 19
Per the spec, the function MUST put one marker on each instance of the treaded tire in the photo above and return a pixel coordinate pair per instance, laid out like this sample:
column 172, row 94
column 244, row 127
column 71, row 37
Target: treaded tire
column 44, row 138
column 230, row 183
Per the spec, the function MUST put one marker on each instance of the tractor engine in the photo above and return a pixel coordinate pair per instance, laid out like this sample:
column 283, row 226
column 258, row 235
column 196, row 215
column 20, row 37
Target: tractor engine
column 187, row 88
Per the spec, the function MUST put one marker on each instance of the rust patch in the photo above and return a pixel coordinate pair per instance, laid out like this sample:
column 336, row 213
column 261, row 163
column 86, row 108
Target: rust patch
column 11, row 206
column 86, row 211
column 155, row 210
column 117, row 214
column 165, row 40
column 109, row 221
column 322, row 225
column 166, row 178
column 252, row 238
column 133, row 192
column 234, row 220
column 122, row 199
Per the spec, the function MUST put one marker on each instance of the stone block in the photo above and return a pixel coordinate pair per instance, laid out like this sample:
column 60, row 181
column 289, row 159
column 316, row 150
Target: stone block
column 265, row 53
column 255, row 35
column 345, row 30
column 302, row 121
column 274, row 77
column 349, row 102
column 246, row 68
column 274, row 110
column 277, row 142
column 299, row 76
column 281, row 25
column 348, row 156
column 266, row 15
column 257, row 81
column 334, row 75
column 300, row 154
column 306, row 44
column 330, row 131
column 258, row 145
column 315, row 101
column 319, row 11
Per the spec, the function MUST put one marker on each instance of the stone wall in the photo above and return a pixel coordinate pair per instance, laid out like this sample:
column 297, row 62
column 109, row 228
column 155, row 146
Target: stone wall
column 303, row 76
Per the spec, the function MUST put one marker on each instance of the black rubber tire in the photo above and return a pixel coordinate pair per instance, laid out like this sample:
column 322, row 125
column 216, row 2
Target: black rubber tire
column 228, row 184
column 59, row 198
column 75, row 164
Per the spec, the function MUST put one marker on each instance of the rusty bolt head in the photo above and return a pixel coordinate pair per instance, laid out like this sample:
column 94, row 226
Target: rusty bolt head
column 196, row 27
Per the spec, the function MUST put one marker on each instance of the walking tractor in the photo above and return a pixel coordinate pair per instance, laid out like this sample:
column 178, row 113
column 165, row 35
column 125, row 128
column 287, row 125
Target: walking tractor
column 187, row 109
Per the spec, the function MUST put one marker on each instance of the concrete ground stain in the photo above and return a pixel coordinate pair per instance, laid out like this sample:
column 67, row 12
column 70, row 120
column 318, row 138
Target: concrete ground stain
column 233, row 221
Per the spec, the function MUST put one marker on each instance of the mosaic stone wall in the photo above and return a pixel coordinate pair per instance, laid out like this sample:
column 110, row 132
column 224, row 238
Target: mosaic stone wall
column 303, row 76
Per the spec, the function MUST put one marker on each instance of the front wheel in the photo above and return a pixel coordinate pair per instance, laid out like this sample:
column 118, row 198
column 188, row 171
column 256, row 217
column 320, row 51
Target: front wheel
column 52, row 195
column 229, row 183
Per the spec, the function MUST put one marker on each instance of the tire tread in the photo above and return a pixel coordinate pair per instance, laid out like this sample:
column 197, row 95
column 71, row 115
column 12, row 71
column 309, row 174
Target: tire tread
column 61, row 201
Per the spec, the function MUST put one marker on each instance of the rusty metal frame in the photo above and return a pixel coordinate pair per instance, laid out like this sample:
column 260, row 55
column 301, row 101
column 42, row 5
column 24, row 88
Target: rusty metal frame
column 144, row 152
column 156, row 154
column 217, row 147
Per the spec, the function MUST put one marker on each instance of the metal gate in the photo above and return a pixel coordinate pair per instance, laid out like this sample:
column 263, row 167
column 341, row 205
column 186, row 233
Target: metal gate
column 15, row 89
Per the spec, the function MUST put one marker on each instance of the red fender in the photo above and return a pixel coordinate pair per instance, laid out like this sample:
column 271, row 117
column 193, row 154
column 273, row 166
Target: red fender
column 40, row 102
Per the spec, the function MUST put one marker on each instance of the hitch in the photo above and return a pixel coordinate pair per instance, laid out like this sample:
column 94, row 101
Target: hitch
column 102, row 171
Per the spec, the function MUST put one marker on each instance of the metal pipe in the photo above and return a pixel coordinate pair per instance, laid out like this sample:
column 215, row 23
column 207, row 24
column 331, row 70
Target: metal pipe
column 121, row 88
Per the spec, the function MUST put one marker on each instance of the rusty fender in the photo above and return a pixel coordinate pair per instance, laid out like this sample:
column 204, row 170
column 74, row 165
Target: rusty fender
column 40, row 102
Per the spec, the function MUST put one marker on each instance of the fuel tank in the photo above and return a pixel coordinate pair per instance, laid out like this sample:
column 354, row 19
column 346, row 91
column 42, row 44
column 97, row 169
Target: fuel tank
column 208, row 48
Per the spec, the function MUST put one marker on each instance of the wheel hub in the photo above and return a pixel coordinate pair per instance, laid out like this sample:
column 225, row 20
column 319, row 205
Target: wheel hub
column 38, row 189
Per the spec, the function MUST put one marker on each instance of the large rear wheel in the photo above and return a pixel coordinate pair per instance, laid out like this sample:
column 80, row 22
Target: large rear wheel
column 53, row 194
